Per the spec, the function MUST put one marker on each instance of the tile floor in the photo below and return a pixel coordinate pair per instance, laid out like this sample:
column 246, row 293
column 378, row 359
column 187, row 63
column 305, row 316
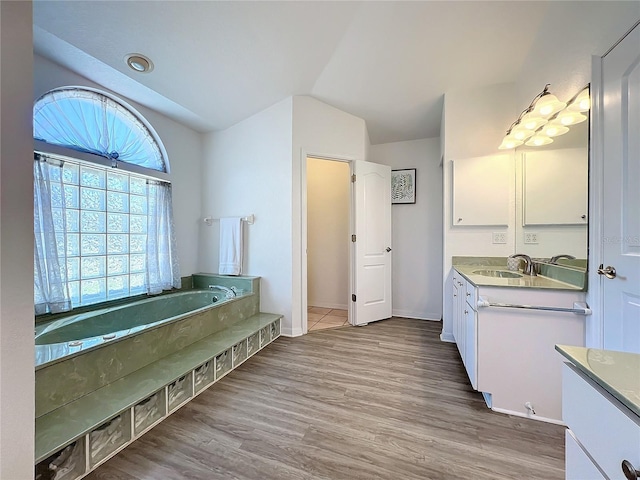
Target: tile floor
column 319, row 318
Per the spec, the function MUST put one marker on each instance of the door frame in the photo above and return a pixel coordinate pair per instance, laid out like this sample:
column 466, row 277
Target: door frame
column 594, row 331
column 304, row 154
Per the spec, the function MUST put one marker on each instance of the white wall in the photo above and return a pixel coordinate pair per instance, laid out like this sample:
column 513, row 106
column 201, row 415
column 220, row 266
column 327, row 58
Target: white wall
column 417, row 229
column 16, row 243
column 563, row 58
column 323, row 131
column 328, row 233
column 247, row 170
column 475, row 122
column 184, row 149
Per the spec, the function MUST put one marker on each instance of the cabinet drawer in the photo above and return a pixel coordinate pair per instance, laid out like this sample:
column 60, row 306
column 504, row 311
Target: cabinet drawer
column 606, row 428
column 471, row 295
column 578, row 465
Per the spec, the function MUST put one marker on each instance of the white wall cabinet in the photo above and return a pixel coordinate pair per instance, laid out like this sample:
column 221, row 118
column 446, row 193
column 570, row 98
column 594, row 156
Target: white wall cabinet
column 553, row 178
column 482, row 190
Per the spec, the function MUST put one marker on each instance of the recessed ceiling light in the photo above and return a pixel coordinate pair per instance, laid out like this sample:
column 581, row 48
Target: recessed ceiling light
column 139, row 63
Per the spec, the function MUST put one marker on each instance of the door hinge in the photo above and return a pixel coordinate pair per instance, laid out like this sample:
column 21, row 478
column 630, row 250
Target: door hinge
column 353, row 238
column 353, row 178
column 353, row 297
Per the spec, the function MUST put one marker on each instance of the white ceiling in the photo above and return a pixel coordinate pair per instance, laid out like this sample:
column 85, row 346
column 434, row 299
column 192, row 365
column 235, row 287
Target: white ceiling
column 217, row 63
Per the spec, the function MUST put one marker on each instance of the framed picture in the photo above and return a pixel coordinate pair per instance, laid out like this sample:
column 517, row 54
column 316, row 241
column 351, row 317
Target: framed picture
column 403, row 186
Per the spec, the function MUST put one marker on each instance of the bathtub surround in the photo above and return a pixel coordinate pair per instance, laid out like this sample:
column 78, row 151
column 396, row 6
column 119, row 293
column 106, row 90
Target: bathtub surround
column 80, row 398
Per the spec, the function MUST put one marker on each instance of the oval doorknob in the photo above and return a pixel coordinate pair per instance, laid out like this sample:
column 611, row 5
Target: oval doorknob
column 388, row 249
column 608, row 272
column 629, row 470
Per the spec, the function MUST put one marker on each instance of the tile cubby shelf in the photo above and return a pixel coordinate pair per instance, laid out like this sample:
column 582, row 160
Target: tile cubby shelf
column 168, row 383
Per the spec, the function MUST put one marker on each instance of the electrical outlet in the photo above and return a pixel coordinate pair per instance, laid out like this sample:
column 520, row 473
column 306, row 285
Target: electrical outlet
column 530, row 238
column 499, row 237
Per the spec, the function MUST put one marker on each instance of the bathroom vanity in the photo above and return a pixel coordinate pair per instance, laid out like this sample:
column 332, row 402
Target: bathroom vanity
column 601, row 407
column 507, row 347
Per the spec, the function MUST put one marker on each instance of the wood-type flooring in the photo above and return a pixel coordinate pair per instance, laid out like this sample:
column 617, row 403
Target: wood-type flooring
column 385, row 401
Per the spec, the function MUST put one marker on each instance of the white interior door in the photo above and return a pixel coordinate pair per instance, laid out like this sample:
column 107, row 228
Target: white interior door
column 372, row 248
column 621, row 214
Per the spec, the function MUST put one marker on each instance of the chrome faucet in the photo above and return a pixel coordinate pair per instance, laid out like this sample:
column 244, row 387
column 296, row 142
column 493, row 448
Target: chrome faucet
column 529, row 265
column 230, row 292
column 554, row 260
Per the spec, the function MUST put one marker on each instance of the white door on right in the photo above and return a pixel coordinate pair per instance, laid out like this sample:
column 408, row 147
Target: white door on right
column 620, row 272
column 372, row 273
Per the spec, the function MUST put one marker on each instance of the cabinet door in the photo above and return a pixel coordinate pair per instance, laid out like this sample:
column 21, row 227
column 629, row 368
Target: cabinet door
column 471, row 330
column 578, row 465
column 554, row 178
column 483, row 190
column 454, row 303
column 460, row 303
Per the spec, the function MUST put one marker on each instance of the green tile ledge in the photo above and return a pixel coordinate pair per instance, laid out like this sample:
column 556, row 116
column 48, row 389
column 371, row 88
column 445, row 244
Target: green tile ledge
column 616, row 372
column 73, row 421
column 554, row 277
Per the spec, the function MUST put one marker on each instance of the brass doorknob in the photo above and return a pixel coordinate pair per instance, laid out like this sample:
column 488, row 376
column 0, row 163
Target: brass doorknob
column 608, row 272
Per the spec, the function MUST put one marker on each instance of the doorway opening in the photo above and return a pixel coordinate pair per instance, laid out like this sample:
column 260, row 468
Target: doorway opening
column 328, row 243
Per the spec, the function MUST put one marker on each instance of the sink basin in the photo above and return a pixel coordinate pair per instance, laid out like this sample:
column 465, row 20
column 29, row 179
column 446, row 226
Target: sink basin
column 497, row 273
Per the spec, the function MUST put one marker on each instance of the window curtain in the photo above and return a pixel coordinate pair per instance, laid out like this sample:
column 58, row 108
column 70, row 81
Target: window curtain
column 163, row 272
column 89, row 121
column 49, row 253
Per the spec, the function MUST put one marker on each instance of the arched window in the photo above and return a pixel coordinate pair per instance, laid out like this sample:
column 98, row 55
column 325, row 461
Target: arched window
column 103, row 219
column 90, row 121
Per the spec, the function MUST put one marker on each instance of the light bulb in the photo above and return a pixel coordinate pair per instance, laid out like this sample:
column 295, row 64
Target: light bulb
column 582, row 102
column 538, row 141
column 568, row 117
column 531, row 121
column 521, row 133
column 554, row 130
column 548, row 105
column 509, row 142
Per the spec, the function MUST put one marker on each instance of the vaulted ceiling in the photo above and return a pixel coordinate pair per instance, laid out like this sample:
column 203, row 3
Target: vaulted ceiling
column 217, row 63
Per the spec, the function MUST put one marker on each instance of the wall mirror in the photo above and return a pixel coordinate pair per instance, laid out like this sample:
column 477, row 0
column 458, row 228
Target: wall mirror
column 552, row 197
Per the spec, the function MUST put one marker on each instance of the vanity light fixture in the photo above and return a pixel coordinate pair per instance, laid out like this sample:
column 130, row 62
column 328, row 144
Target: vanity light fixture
column 546, row 117
column 138, row 63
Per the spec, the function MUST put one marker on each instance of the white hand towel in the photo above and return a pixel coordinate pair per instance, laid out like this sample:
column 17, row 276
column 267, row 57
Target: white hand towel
column 230, row 246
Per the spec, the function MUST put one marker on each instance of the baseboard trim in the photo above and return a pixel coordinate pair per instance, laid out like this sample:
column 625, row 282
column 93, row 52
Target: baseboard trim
column 447, row 337
column 329, row 305
column 433, row 317
column 531, row 417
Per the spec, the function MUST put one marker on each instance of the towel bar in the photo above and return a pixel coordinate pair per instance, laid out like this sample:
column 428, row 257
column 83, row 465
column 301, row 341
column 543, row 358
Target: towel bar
column 579, row 308
column 249, row 219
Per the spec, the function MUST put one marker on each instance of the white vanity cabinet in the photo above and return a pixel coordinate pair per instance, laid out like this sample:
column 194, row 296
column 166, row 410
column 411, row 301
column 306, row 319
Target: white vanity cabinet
column 471, row 333
column 464, row 298
column 603, row 432
column 508, row 353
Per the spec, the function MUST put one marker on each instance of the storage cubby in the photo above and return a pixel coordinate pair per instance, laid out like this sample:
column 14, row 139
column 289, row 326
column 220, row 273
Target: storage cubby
column 265, row 336
column 223, row 363
column 149, row 411
column 239, row 353
column 179, row 391
column 67, row 464
column 253, row 344
column 203, row 376
column 109, row 437
column 275, row 329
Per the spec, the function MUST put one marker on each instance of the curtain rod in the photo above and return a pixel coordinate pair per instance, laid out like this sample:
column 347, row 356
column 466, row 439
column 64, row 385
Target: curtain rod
column 43, row 156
